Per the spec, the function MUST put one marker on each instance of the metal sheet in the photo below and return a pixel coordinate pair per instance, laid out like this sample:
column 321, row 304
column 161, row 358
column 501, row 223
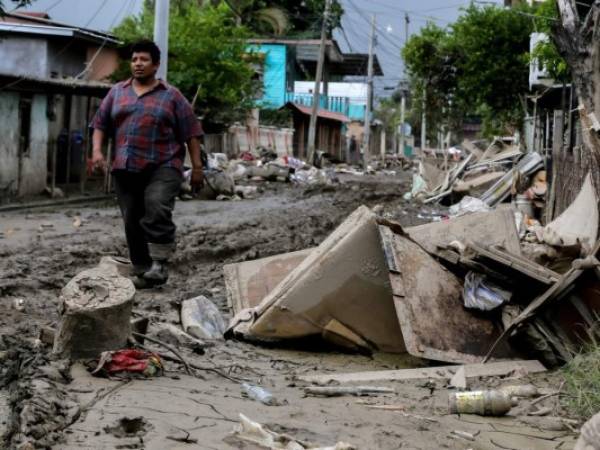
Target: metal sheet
column 428, row 302
column 495, row 228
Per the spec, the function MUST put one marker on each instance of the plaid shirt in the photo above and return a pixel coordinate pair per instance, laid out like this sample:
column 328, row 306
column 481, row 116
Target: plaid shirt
column 149, row 130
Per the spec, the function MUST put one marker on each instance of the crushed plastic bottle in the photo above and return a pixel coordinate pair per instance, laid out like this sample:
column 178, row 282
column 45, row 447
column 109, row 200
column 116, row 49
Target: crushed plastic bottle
column 259, row 394
column 483, row 403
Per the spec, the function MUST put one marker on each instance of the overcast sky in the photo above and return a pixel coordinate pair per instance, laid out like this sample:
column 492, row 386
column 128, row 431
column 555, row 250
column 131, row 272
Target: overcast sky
column 390, row 17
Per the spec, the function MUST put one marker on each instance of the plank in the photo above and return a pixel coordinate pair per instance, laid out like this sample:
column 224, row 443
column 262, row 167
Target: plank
column 492, row 369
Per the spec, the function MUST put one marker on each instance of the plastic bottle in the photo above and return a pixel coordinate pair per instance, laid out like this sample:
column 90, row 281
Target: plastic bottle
column 259, row 394
column 483, row 403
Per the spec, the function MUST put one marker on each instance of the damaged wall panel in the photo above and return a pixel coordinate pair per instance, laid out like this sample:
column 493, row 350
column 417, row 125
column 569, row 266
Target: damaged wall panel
column 428, row 302
column 249, row 282
column 343, row 282
column 495, row 228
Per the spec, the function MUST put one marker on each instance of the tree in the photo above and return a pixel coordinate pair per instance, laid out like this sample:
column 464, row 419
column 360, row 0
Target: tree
column 431, row 64
column 208, row 58
column 577, row 38
column 478, row 65
column 289, row 17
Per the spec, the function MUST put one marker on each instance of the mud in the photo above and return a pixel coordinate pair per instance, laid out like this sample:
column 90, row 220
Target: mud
column 40, row 252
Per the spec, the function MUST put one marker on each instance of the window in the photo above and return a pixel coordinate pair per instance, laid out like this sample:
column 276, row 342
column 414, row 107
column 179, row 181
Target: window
column 25, row 122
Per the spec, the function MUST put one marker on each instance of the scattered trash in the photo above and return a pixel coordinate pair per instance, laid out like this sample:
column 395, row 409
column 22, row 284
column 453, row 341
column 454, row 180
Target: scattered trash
column 253, row 432
column 480, row 293
column 129, row 361
column 259, row 394
column 578, row 224
column 464, row 435
column 524, row 390
column 468, row 205
column 19, row 304
column 337, row 391
column 202, row 319
column 129, row 427
column 77, row 222
column 491, row 369
column 483, row 403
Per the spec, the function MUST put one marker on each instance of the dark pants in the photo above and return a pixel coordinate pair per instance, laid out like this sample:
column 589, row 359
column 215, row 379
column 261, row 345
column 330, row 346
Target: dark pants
column 147, row 200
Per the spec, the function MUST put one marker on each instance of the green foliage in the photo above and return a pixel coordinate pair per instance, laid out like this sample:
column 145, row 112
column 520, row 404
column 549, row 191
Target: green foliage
column 478, row 65
column 582, row 384
column 546, row 53
column 207, row 58
column 278, row 17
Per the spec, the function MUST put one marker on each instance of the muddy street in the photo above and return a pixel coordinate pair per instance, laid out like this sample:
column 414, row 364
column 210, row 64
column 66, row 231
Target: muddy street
column 50, row 404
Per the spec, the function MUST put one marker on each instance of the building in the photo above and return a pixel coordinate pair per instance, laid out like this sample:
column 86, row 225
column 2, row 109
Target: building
column 52, row 76
column 288, row 67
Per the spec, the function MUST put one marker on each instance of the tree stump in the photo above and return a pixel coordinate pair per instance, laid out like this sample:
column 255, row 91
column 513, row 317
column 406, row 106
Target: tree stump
column 96, row 313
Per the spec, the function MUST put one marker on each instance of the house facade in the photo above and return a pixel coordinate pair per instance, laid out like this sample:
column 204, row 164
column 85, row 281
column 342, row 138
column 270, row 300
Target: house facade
column 51, row 79
column 289, row 66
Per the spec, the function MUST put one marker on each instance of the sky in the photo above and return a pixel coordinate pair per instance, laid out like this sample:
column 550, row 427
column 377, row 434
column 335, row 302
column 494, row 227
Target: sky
column 389, row 15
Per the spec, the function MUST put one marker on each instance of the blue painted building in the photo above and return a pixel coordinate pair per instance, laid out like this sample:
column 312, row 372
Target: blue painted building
column 287, row 61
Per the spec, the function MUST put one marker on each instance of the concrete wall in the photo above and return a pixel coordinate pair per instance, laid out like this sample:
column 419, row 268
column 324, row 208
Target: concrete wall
column 34, row 164
column 67, row 63
column 28, row 56
column 34, row 169
column 9, row 144
column 104, row 64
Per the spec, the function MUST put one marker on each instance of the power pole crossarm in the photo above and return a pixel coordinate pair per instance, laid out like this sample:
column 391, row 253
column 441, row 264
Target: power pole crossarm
column 312, row 127
column 367, row 131
column 161, row 34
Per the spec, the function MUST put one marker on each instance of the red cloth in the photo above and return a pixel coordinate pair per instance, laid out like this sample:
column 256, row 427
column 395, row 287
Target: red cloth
column 130, row 360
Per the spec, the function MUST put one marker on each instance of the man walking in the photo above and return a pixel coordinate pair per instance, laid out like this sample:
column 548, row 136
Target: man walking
column 150, row 123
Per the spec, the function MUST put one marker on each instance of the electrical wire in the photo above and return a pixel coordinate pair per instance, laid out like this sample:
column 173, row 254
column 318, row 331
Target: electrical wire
column 112, row 24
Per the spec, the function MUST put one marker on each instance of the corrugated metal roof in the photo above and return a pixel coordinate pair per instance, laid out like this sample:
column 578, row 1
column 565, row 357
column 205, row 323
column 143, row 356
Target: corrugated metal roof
column 323, row 113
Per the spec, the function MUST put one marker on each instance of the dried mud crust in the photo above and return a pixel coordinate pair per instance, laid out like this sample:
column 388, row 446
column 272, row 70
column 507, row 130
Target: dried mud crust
column 210, row 234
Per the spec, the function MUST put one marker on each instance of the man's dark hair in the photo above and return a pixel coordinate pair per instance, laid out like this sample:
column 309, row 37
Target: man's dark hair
column 146, row 46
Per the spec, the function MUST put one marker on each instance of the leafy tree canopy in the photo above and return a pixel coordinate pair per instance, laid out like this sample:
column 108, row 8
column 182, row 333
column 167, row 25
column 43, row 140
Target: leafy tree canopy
column 479, row 64
column 208, row 59
column 292, row 18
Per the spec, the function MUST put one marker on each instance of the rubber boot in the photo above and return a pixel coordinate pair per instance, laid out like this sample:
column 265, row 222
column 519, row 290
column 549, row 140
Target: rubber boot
column 158, row 273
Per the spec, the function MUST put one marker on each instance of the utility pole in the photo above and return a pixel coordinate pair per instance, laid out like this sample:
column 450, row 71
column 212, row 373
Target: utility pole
column 161, row 34
column 424, row 118
column 404, row 92
column 402, row 119
column 367, row 131
column 312, row 127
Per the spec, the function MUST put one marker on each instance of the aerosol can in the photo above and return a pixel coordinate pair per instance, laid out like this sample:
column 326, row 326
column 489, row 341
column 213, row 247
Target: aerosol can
column 483, row 403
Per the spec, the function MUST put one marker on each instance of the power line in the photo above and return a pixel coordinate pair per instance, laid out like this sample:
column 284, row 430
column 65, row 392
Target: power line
column 112, row 24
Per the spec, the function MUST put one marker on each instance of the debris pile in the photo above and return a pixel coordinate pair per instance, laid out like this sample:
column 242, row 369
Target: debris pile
column 461, row 290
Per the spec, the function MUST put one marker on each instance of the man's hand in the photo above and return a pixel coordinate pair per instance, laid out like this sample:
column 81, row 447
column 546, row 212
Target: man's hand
column 98, row 161
column 197, row 180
